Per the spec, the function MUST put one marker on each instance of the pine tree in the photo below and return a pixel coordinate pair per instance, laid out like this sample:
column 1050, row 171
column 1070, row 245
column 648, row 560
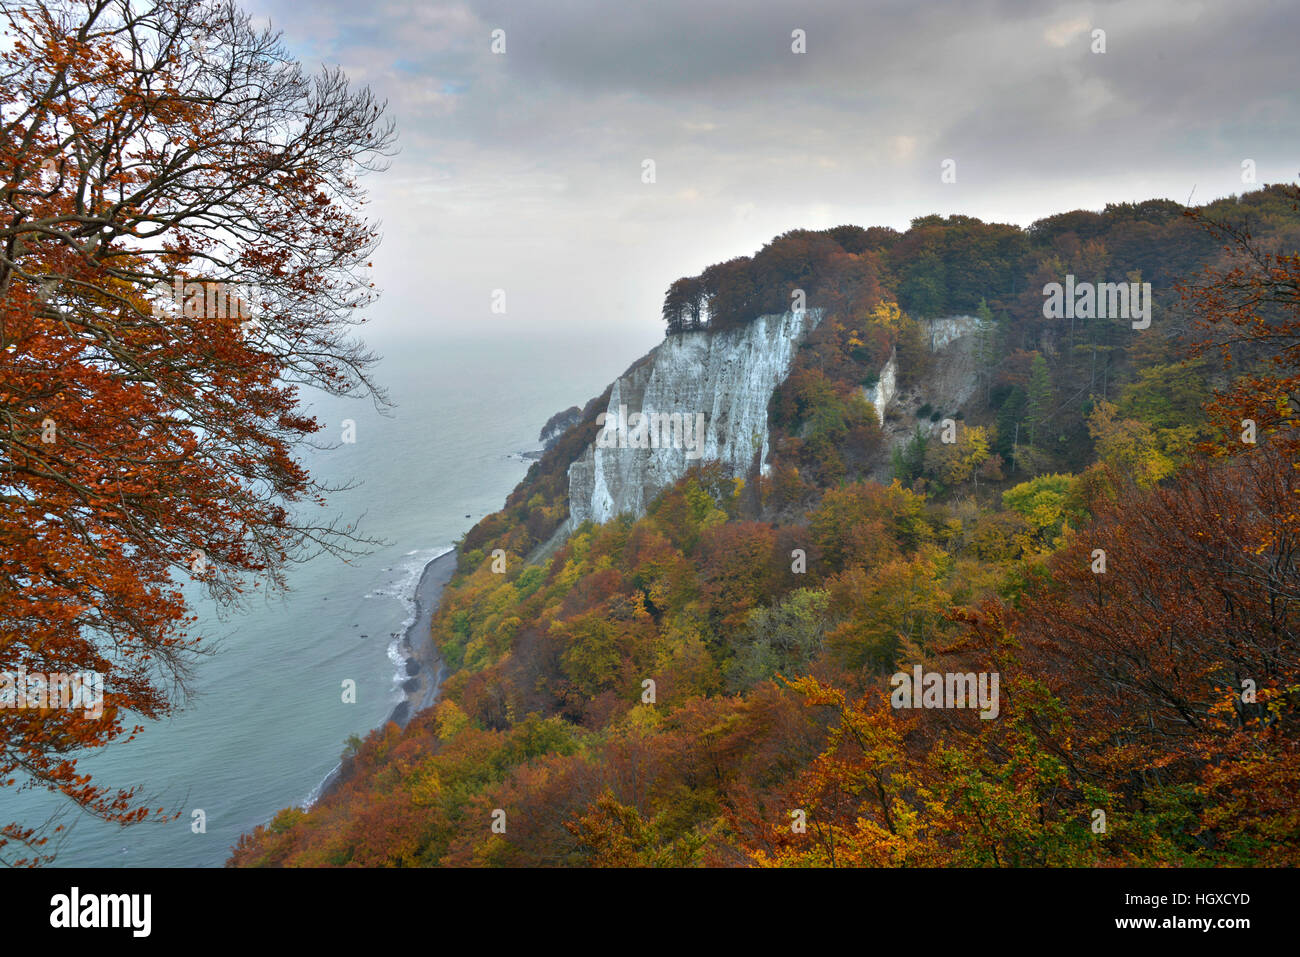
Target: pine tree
column 985, row 347
column 909, row 460
column 1040, row 399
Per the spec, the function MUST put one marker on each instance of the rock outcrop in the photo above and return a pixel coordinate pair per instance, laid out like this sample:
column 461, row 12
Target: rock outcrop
column 886, row 387
column 719, row 380
column 949, row 384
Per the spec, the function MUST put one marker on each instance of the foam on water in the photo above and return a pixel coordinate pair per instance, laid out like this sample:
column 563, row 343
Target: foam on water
column 403, row 589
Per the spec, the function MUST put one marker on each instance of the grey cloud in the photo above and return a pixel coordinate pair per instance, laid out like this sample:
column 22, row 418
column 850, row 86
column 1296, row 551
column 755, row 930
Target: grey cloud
column 528, row 164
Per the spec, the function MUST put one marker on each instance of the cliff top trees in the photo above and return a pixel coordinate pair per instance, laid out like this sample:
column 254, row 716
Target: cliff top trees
column 684, row 306
column 947, row 265
column 740, row 290
column 730, row 293
column 145, row 149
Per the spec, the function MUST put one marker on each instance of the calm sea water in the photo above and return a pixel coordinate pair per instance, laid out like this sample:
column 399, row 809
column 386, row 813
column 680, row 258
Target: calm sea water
column 268, row 722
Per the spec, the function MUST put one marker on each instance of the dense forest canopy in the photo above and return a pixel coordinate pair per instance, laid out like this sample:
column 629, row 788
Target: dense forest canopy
column 1112, row 532
column 945, row 266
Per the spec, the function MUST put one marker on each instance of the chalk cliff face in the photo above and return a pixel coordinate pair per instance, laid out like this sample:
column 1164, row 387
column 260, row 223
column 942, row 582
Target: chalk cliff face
column 949, row 385
column 728, row 377
column 886, row 387
column 944, row 331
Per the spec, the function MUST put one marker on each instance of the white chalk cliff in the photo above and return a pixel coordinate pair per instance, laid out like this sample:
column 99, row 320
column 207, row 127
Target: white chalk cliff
column 886, row 387
column 949, row 384
column 728, row 376
column 944, row 331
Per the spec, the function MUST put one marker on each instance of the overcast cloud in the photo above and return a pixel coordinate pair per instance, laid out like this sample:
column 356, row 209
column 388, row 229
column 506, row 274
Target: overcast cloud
column 522, row 171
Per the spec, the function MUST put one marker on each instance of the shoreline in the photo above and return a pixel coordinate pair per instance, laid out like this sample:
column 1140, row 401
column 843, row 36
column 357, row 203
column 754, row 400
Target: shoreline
column 424, row 667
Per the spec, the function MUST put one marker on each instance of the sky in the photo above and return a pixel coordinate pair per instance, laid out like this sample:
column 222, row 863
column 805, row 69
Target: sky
column 524, row 170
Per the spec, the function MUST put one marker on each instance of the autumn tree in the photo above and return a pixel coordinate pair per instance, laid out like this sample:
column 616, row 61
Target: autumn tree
column 1047, row 503
column 955, row 462
column 1129, row 445
column 683, row 306
column 894, row 608
column 182, row 249
column 865, row 524
column 782, row 639
column 1179, row 660
column 1247, row 313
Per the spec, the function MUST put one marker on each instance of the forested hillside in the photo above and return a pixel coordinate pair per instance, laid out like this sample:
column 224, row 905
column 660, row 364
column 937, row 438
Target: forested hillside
column 1111, row 532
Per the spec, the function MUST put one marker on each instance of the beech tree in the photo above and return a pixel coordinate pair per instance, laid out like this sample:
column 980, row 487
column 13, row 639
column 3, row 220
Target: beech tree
column 147, row 437
column 1248, row 312
column 675, row 305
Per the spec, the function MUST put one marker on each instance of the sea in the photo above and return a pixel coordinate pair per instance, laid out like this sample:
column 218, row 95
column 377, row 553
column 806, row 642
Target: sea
column 267, row 719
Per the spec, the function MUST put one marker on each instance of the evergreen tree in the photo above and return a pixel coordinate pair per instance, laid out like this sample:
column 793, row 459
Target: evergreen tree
column 1039, row 401
column 985, row 347
column 908, row 460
